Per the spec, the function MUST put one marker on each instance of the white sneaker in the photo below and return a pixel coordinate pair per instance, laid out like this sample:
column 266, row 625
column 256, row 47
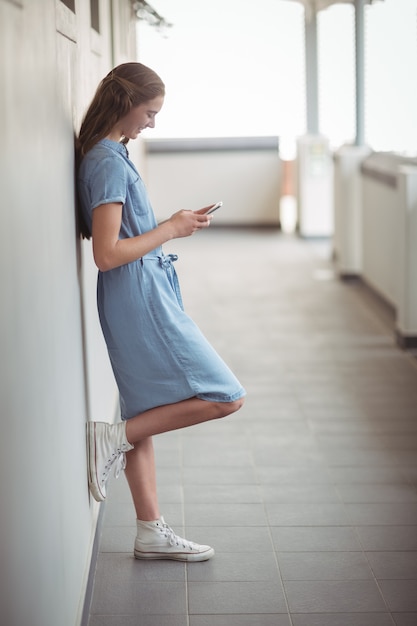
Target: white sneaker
column 106, row 447
column 156, row 540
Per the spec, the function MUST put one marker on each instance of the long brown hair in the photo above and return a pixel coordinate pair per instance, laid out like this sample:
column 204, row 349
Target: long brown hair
column 126, row 86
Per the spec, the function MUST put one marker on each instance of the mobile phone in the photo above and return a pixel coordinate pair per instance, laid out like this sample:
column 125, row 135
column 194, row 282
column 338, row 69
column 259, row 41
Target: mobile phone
column 214, row 208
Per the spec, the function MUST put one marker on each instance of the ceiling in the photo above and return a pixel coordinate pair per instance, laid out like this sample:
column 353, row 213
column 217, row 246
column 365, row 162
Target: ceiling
column 145, row 10
column 318, row 5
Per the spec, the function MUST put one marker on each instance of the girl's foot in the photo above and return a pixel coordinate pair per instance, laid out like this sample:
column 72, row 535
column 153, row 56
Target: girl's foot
column 106, row 447
column 156, row 540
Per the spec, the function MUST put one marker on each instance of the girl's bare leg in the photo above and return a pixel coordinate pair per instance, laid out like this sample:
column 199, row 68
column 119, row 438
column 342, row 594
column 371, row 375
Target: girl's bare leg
column 179, row 415
column 141, row 476
column 140, row 469
column 107, row 443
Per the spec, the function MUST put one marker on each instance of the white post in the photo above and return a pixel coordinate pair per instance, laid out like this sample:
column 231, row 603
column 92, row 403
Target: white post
column 360, row 71
column 311, row 57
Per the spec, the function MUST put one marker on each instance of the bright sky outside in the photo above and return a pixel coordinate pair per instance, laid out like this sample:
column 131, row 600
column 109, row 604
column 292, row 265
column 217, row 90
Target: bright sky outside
column 236, row 68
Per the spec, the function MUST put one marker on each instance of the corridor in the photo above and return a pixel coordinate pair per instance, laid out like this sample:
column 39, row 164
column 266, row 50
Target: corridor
column 308, row 494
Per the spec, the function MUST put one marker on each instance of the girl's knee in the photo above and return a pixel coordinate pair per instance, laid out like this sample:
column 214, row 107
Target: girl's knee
column 237, row 404
column 228, row 408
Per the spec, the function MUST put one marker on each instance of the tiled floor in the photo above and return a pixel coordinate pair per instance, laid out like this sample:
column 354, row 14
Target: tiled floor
column 308, row 494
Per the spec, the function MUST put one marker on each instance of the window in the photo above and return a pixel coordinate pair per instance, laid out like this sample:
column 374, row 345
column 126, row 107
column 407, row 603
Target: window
column 336, row 60
column 390, row 76
column 232, row 68
column 95, row 14
column 70, row 4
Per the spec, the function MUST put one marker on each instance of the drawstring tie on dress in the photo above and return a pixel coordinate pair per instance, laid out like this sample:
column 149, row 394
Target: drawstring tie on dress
column 166, row 260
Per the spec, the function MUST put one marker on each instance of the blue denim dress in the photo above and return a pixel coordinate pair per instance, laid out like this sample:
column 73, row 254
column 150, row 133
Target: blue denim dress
column 158, row 354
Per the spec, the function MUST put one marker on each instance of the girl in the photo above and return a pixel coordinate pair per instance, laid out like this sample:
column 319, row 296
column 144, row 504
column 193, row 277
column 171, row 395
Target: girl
column 167, row 373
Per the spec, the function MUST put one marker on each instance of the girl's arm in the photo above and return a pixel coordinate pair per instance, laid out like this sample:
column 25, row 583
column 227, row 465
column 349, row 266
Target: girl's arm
column 110, row 251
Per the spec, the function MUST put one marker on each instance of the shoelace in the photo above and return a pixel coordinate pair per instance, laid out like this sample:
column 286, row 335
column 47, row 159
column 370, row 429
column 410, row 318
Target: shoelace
column 118, row 459
column 175, row 540
column 120, row 464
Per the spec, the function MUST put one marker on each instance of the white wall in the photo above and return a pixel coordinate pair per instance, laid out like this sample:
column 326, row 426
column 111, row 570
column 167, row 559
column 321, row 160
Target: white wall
column 50, row 63
column 245, row 173
column 386, row 233
column 379, row 241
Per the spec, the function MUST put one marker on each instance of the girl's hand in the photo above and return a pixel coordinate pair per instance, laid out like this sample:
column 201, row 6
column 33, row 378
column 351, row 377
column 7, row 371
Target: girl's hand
column 110, row 251
column 204, row 210
column 186, row 223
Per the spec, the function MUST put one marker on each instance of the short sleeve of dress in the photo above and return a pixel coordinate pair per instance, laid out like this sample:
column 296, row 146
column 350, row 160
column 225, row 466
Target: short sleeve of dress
column 108, row 182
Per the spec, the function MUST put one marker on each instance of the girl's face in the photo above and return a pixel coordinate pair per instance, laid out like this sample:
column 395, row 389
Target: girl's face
column 138, row 118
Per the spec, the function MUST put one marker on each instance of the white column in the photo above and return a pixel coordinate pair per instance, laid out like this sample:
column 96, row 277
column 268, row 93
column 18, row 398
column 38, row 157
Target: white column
column 360, row 71
column 311, row 57
column 314, row 186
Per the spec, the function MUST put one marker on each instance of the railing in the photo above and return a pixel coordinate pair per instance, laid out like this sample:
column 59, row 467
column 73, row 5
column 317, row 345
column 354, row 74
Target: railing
column 376, row 229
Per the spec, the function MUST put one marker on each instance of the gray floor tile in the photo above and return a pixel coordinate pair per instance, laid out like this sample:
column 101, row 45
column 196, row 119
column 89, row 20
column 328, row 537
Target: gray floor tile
column 118, row 539
column 219, row 475
column 317, row 472
column 236, row 597
column 294, row 475
column 310, row 514
column 278, row 427
column 351, row 442
column 216, row 494
column 334, row 596
column 173, row 515
column 299, row 493
column 280, row 440
column 402, row 514
column 127, row 569
column 405, row 619
column 169, row 475
column 388, row 537
column 118, row 490
column 123, row 514
column 240, row 620
column 369, row 475
column 314, row 538
column 323, row 566
column 168, row 458
column 119, row 513
column 392, row 565
column 168, row 441
column 232, row 538
column 135, row 620
column 400, row 441
column 296, row 456
column 405, row 457
column 170, row 493
column 400, row 595
column 232, row 566
column 341, row 456
column 199, row 456
column 377, row 493
column 410, row 474
column 139, row 598
column 210, row 445
column 343, row 619
column 359, row 426
column 224, row 514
